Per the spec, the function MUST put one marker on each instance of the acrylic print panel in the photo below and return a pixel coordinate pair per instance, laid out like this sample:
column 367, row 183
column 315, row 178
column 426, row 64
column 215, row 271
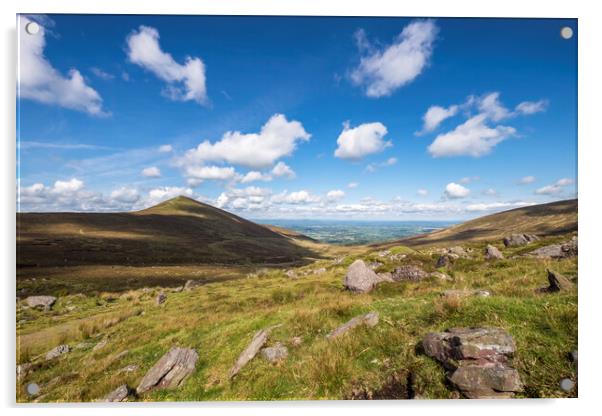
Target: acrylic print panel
column 307, row 208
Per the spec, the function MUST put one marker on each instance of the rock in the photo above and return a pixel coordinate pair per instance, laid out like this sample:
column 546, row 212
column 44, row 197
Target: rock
column 57, row 352
column 516, row 240
column 161, row 298
column 23, row 370
column 370, row 319
column 117, row 395
column 445, row 260
column 100, row 345
column 360, row 278
column 384, row 253
column 45, row 302
column 275, row 353
column 374, row 265
column 191, row 284
column 178, row 289
column 570, row 247
column 457, row 251
column 411, row 273
column 296, row 341
column 556, row 251
column 492, row 253
column 477, row 360
column 385, row 277
column 465, row 293
column 170, row 371
column 128, row 369
column 258, row 341
column 557, row 282
column 439, row 275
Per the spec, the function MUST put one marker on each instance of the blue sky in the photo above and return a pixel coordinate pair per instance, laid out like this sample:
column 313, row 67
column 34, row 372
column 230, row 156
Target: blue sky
column 291, row 117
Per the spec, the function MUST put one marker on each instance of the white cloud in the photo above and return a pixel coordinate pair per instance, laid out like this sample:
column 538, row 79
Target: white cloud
column 38, row 80
column 454, row 190
column 357, row 142
column 555, row 188
column 297, row 197
column 352, row 185
column 422, row 192
column 497, row 206
column 125, row 195
column 490, row 192
column 254, row 175
column 72, row 185
column 165, row 148
column 472, row 138
column 469, row 179
column 531, row 107
column 185, row 82
column 383, row 71
column 277, row 138
column 102, row 74
column 435, row 115
column 211, row 173
column 335, row 195
column 164, row 193
column 526, row 180
column 151, row 172
column 283, row 170
column 491, row 105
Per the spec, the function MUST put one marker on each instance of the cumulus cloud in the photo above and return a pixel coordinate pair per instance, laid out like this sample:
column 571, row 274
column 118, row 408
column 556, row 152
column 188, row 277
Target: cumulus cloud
column 335, row 195
column 497, row 206
column 164, row 193
column 531, row 107
column 283, row 170
column 454, row 191
column 365, row 139
column 254, row 175
column 102, row 74
column 125, row 195
column 280, row 170
column 491, row 106
column 185, row 82
column 555, row 188
column 383, row 70
column 435, row 115
column 69, row 195
column 526, row 180
column 151, row 172
column 278, row 138
column 165, row 148
column 297, row 197
column 39, row 81
column 218, row 173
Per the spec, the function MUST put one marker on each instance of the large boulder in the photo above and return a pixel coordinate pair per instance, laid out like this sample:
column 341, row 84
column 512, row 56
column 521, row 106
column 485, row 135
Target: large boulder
column 258, row 341
column 557, row 283
column 360, row 278
column 477, row 360
column 412, row 273
column 170, row 371
column 370, row 319
column 44, row 302
column 515, row 240
column 556, row 251
column 493, row 253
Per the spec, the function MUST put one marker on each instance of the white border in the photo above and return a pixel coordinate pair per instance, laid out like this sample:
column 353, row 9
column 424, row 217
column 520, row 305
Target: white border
column 590, row 232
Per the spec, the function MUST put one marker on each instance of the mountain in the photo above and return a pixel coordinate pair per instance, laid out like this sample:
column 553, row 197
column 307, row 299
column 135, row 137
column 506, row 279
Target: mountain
column 178, row 231
column 544, row 220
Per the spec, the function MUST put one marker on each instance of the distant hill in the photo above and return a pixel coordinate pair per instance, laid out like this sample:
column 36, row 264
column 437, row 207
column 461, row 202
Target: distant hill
column 544, row 220
column 178, row 231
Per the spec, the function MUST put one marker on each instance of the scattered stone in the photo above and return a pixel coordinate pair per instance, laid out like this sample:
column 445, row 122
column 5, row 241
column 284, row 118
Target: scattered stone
column 411, row 273
column 57, row 352
column 370, row 319
column 178, row 289
column 320, row 271
column 445, row 260
column 275, row 353
column 457, row 251
column 360, row 278
column 161, row 298
column 557, row 282
column 100, row 345
column 258, row 341
column 477, row 360
column 465, row 293
column 191, row 284
column 23, row 370
column 45, row 302
column 516, row 240
column 118, row 395
column 296, row 341
column 384, row 253
column 397, row 257
column 439, row 275
column 170, row 371
column 492, row 253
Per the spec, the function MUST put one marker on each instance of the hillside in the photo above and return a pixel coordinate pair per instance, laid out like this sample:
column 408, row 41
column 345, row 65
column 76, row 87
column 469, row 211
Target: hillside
column 543, row 220
column 176, row 232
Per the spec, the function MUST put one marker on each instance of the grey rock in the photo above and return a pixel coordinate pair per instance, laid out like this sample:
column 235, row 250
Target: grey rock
column 258, row 341
column 516, row 240
column 57, row 352
column 191, row 284
column 557, row 251
column 374, row 265
column 465, row 293
column 45, row 302
column 275, row 353
column 557, row 283
column 486, row 381
column 411, row 273
column 161, row 298
column 178, row 289
column 100, row 345
column 118, row 395
column 439, row 275
column 457, row 251
column 445, row 260
column 493, row 253
column 170, row 371
column 370, row 319
column 386, row 277
column 360, row 278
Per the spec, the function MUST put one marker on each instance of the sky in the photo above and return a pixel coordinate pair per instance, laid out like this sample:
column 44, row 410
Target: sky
column 296, row 117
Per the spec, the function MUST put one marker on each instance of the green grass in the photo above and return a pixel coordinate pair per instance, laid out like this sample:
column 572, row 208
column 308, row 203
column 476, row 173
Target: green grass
column 219, row 319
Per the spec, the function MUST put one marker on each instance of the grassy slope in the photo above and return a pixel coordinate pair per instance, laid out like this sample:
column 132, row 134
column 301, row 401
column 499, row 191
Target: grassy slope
column 544, row 220
column 219, row 319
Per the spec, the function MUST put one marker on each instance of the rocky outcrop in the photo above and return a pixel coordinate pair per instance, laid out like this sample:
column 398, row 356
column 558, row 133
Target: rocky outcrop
column 258, row 341
column 44, row 302
column 465, row 293
column 493, row 253
column 556, row 251
column 411, row 273
column 360, row 278
column 516, row 240
column 370, row 319
column 275, row 353
column 57, row 352
column 557, row 283
column 477, row 360
column 170, row 371
column 118, row 395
